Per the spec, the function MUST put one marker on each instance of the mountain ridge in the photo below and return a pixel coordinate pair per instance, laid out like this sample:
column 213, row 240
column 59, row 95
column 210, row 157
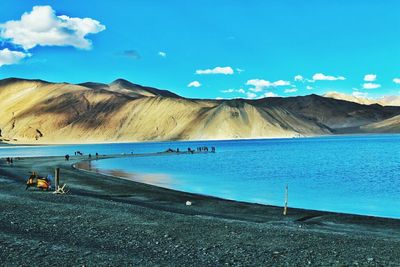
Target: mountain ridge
column 389, row 100
column 36, row 111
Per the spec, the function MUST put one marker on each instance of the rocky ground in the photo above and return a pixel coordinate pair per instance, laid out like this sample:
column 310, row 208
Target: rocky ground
column 107, row 221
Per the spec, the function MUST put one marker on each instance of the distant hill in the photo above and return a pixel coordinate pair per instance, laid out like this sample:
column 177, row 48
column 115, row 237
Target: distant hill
column 384, row 101
column 391, row 125
column 339, row 115
column 35, row 111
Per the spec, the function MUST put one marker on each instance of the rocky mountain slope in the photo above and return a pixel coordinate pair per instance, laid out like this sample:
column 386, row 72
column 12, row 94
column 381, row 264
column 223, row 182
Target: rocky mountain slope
column 35, row 111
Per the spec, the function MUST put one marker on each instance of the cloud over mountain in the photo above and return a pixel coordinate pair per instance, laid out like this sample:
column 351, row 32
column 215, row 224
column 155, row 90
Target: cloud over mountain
column 8, row 57
column 217, row 70
column 194, row 84
column 42, row 27
column 323, row 77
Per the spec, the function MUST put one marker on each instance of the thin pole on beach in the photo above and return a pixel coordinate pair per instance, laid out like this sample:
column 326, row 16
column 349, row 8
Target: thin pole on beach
column 56, row 178
column 286, row 200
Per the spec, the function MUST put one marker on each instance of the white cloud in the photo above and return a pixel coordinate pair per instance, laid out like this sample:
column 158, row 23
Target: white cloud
column 41, row 27
column 396, row 80
column 162, row 54
column 194, row 84
column 239, row 70
column 291, row 90
column 270, row 94
column 371, row 85
column 234, row 91
column 8, row 57
column 280, row 83
column 251, row 95
column 370, row 77
column 219, row 98
column 298, row 78
column 309, row 87
column 216, row 70
column 323, row 77
column 260, row 84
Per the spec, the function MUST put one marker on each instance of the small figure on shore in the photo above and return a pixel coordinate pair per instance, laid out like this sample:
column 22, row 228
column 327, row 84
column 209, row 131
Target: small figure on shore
column 67, row 157
column 97, row 155
column 213, row 149
column 11, row 161
column 90, row 156
column 75, row 153
column 177, row 150
column 8, row 160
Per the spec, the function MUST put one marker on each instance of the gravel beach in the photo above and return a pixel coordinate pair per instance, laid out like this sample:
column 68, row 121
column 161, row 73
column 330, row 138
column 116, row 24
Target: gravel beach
column 107, row 221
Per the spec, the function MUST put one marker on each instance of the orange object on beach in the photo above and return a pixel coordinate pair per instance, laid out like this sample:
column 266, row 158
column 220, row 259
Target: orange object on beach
column 39, row 182
column 43, row 183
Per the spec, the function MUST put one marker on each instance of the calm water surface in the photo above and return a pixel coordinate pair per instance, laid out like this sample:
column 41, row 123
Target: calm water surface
column 352, row 174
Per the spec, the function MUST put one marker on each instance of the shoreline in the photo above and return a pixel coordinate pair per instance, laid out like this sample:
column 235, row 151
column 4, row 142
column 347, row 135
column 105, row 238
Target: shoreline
column 108, row 220
column 87, row 170
column 21, row 144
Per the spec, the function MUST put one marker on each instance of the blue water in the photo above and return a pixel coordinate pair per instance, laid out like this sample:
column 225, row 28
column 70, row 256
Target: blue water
column 351, row 174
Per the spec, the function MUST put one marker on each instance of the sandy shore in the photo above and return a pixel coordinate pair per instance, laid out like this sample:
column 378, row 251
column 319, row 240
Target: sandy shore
column 107, row 221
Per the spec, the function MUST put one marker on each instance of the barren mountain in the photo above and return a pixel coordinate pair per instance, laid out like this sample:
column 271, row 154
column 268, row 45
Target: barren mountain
column 127, row 88
column 338, row 115
column 35, row 111
column 384, row 101
column 391, row 125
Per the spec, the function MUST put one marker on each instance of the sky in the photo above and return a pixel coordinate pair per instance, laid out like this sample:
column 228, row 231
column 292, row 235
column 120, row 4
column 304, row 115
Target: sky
column 208, row 48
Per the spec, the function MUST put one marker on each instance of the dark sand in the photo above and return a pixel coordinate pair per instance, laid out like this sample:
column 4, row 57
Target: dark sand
column 107, row 221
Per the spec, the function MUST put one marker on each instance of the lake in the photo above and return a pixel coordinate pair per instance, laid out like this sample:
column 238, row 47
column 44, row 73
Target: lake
column 351, row 174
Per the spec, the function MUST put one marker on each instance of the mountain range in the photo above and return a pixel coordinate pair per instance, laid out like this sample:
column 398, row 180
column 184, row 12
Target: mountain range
column 36, row 111
column 384, row 101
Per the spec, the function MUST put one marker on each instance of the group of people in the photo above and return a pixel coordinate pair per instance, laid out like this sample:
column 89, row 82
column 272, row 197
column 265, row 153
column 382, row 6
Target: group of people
column 81, row 154
column 190, row 150
column 97, row 155
column 170, row 150
column 205, row 149
column 9, row 161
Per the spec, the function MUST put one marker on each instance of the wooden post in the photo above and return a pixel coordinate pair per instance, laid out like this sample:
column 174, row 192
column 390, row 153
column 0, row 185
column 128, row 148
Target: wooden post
column 56, row 178
column 286, row 200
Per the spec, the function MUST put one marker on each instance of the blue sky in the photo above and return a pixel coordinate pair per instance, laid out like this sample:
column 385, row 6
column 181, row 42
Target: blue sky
column 224, row 48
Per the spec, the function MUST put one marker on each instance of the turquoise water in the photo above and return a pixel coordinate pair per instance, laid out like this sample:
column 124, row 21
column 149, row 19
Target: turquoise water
column 351, row 174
